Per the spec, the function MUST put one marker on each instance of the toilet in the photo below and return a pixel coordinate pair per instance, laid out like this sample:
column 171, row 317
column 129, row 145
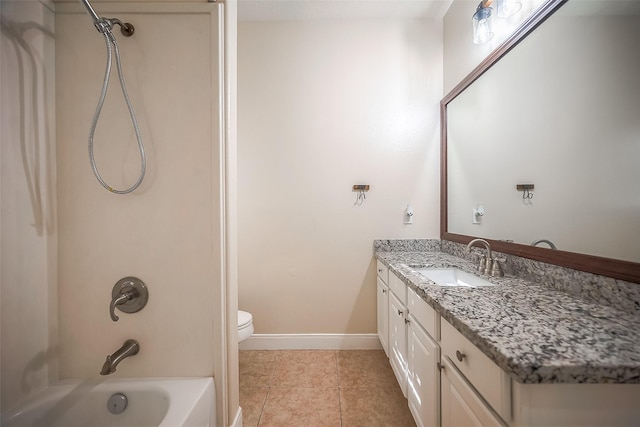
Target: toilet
column 245, row 325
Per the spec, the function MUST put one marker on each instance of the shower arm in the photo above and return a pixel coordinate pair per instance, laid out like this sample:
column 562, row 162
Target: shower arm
column 104, row 25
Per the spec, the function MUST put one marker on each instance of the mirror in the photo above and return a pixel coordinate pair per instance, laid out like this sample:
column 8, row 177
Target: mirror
column 556, row 107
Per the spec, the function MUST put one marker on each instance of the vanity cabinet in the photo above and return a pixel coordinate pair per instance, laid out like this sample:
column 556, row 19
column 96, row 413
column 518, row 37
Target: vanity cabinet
column 382, row 304
column 398, row 340
column 450, row 382
column 423, row 356
column 419, row 345
column 461, row 404
column 475, row 391
column 491, row 383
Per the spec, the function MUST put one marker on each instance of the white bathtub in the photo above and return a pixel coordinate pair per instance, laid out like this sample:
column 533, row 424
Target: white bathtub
column 163, row 402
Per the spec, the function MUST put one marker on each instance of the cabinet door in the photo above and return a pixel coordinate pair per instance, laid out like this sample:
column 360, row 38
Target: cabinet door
column 423, row 388
column 398, row 340
column 461, row 405
column 383, row 315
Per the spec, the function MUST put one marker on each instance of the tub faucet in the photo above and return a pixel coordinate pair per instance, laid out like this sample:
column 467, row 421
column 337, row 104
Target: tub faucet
column 129, row 348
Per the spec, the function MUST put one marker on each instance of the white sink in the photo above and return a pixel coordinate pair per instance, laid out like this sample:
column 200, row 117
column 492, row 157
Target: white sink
column 451, row 276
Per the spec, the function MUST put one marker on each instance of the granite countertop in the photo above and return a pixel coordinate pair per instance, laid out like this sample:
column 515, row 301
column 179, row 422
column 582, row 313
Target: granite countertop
column 536, row 334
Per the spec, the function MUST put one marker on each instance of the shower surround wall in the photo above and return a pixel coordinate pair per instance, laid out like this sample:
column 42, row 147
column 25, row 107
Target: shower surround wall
column 168, row 232
column 27, row 200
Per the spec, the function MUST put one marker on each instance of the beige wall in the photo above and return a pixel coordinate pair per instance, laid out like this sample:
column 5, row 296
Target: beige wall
column 27, row 197
column 168, row 232
column 324, row 105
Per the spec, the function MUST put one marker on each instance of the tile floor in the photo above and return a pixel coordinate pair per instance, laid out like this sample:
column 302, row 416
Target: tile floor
column 309, row 388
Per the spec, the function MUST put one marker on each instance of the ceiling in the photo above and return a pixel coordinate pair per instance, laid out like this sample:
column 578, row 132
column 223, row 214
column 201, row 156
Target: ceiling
column 307, row 10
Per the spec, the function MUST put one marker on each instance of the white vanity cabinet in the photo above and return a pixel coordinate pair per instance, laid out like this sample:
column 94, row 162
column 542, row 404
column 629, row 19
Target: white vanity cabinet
column 472, row 381
column 382, row 304
column 398, row 339
column 450, row 382
column 461, row 404
column 423, row 356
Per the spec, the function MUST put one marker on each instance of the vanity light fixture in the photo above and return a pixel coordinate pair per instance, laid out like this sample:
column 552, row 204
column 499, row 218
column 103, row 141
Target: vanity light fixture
column 483, row 22
column 507, row 8
column 483, row 17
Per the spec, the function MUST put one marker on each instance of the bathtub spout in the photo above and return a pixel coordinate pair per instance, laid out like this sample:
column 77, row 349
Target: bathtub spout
column 129, row 348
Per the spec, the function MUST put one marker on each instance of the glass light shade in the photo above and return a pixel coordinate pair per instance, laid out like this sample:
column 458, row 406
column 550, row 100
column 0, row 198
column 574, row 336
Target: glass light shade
column 482, row 25
column 507, row 8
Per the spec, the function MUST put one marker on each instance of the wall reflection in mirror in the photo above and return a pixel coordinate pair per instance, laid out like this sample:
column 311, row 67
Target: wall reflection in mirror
column 561, row 111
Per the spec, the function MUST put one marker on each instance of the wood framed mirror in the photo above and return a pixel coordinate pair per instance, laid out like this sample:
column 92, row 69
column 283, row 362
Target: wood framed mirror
column 533, row 113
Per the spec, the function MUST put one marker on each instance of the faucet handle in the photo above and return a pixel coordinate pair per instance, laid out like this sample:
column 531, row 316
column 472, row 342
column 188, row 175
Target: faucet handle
column 496, row 269
column 482, row 264
column 124, row 296
column 129, row 295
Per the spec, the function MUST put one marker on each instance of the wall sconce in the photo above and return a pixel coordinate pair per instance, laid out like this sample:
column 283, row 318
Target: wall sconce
column 483, row 22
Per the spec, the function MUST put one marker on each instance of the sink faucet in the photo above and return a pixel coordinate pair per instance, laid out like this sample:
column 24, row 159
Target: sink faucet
column 485, row 261
column 129, row 348
column 547, row 241
column 487, row 264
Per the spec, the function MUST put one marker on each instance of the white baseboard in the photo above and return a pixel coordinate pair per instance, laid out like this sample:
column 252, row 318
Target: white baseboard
column 311, row 342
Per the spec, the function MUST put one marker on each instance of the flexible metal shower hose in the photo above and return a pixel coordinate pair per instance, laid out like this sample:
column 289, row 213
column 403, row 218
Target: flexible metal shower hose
column 113, row 46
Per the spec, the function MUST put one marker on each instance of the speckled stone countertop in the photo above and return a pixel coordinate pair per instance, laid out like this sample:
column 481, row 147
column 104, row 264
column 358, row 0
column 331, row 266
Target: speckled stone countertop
column 536, row 334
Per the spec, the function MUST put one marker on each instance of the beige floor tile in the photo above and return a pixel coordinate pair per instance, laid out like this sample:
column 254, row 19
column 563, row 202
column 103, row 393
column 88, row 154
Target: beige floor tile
column 364, row 368
column 252, row 401
column 306, row 368
column 308, row 407
column 374, row 407
column 308, row 356
column 257, row 367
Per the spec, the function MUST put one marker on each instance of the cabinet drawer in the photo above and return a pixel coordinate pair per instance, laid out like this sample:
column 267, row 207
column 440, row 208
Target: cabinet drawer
column 424, row 314
column 383, row 271
column 398, row 287
column 461, row 405
column 491, row 382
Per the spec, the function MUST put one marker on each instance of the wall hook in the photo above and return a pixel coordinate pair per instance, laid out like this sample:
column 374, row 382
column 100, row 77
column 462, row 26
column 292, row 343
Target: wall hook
column 526, row 189
column 360, row 196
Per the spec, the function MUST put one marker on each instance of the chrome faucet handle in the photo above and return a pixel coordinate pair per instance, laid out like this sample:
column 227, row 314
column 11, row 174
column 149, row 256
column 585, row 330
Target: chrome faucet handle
column 496, row 268
column 126, row 294
column 129, row 295
column 482, row 264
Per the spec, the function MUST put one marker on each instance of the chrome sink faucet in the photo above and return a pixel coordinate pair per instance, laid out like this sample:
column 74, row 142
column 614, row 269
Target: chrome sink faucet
column 488, row 265
column 129, row 348
column 547, row 241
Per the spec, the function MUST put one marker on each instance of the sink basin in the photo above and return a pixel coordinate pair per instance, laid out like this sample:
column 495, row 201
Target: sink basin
column 451, row 276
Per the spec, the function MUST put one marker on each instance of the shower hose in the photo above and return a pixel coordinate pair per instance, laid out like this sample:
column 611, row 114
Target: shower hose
column 112, row 46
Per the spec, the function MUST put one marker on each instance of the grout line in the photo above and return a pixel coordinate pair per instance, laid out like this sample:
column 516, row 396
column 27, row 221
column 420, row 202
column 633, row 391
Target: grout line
column 263, row 405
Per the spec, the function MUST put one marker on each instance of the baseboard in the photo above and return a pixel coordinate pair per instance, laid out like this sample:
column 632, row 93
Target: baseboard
column 311, row 342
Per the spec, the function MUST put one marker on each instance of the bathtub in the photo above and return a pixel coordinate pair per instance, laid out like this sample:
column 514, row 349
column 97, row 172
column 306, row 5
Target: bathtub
column 151, row 402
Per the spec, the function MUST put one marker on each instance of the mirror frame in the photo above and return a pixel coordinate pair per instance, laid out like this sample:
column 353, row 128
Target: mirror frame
column 618, row 269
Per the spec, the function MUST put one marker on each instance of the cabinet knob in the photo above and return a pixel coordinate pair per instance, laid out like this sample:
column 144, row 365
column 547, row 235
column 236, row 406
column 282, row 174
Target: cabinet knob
column 406, row 321
column 400, row 312
column 440, row 366
column 384, row 291
column 460, row 356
